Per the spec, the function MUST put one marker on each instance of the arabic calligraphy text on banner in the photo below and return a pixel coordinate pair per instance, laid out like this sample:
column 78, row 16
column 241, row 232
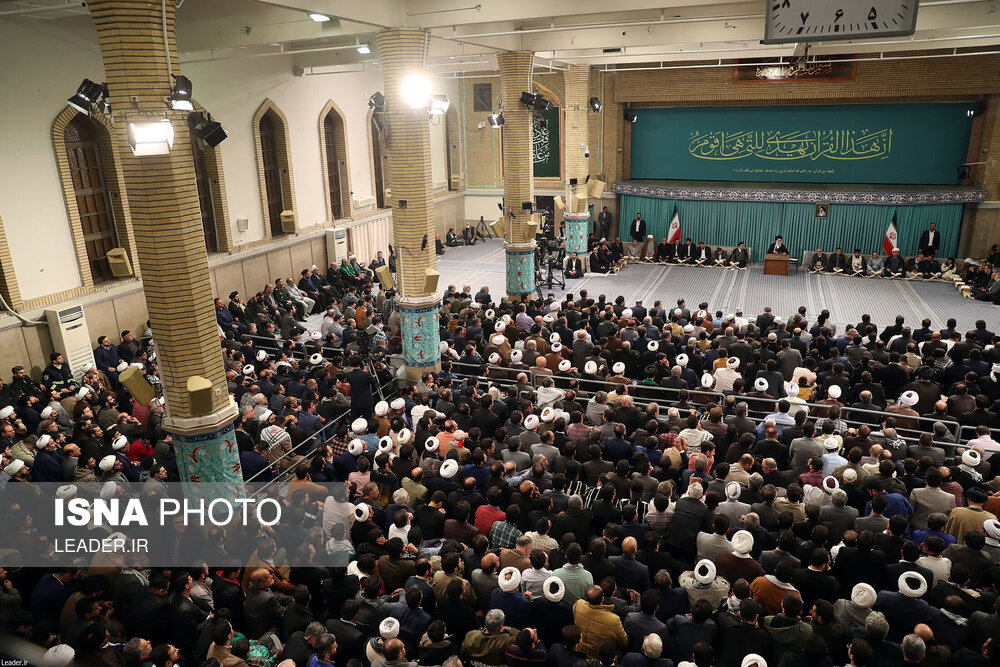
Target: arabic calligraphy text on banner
column 791, row 144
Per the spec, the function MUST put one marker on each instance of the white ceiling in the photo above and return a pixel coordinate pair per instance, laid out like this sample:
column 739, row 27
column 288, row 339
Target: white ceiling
column 466, row 33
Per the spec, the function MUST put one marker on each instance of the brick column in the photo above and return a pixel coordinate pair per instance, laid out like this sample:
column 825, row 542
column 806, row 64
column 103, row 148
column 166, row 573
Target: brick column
column 518, row 183
column 577, row 216
column 170, row 242
column 403, row 52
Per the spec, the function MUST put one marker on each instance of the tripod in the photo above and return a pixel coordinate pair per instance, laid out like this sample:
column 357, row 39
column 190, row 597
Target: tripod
column 553, row 272
column 370, row 367
column 482, row 230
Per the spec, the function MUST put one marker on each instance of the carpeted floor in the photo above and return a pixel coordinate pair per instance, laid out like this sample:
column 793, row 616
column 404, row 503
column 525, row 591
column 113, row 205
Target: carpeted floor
column 846, row 298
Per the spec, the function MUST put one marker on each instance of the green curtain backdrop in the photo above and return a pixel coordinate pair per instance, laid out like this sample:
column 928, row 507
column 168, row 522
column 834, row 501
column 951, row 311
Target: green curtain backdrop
column 757, row 223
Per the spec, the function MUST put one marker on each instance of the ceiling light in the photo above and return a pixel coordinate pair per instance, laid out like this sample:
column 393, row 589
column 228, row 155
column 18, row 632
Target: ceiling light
column 439, row 105
column 595, row 104
column 376, row 101
column 416, row 91
column 495, row 120
column 364, row 50
column 86, row 96
column 319, row 18
column 630, row 117
column 180, row 97
column 154, row 137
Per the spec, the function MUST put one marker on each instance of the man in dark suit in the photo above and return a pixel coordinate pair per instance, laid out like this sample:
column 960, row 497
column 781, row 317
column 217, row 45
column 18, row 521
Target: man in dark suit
column 263, row 609
column 778, row 246
column 604, row 222
column 637, row 230
column 930, row 240
column 703, row 254
column 363, row 388
column 574, row 267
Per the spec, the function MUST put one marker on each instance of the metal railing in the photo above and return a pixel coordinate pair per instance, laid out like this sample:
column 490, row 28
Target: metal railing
column 667, row 397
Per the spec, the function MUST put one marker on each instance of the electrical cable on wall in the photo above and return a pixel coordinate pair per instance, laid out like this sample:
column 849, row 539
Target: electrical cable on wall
column 24, row 320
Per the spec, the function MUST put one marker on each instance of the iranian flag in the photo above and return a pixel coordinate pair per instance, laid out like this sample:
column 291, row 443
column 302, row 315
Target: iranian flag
column 674, row 233
column 891, row 240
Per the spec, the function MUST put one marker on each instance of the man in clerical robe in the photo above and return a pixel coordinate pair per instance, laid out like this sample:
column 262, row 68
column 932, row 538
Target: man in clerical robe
column 664, row 251
column 648, row 249
column 739, row 258
column 856, row 265
column 895, row 266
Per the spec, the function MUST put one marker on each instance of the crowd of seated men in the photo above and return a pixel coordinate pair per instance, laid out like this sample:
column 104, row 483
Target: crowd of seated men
column 609, row 485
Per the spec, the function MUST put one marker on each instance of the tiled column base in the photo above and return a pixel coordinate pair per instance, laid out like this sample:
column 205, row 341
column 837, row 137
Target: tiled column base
column 577, row 231
column 520, row 269
column 421, row 336
column 208, row 457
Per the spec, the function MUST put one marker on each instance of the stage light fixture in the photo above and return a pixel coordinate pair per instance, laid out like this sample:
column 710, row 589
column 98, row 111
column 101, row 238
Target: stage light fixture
column 495, row 120
column 180, row 97
column 542, row 104
column 630, row 116
column 86, row 96
column 500, row 206
column 595, row 105
column 319, row 18
column 527, row 206
column 364, row 49
column 151, row 137
column 527, row 99
column 439, row 105
column 211, row 133
column 376, row 101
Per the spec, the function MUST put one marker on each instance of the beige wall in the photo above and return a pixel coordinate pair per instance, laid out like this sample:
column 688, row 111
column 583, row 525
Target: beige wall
column 111, row 311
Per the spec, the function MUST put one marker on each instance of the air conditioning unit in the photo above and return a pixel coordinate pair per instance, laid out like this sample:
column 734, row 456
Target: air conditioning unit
column 336, row 244
column 71, row 336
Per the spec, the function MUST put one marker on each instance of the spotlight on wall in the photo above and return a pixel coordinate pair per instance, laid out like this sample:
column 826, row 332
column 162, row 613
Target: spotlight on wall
column 495, row 120
column 439, row 105
column 364, row 49
column 319, row 18
column 974, row 110
column 210, row 133
column 630, row 116
column 180, row 96
column 86, row 96
column 376, row 101
column 595, row 105
column 152, row 137
column 527, row 99
column 416, row 91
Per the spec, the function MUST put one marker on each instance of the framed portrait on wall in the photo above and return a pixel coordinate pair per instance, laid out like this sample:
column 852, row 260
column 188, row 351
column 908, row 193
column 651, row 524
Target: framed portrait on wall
column 822, row 210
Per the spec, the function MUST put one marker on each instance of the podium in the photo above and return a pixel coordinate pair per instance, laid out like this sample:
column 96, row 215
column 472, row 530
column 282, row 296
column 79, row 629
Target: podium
column 775, row 264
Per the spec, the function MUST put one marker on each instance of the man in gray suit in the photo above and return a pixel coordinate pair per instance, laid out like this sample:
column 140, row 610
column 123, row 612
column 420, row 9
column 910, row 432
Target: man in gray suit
column 930, row 499
column 840, row 515
column 875, row 522
column 582, row 349
column 805, row 448
column 788, row 360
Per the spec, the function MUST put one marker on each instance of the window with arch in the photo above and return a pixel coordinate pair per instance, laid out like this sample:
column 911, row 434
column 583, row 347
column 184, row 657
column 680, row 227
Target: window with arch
column 83, row 153
column 336, row 169
column 274, row 167
column 205, row 198
column 378, row 164
column 275, row 203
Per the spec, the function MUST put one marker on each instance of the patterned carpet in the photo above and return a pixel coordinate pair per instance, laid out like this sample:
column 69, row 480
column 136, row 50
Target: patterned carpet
column 847, row 298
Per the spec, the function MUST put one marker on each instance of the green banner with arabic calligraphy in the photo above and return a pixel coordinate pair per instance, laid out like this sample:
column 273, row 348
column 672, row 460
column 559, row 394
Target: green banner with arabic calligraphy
column 876, row 143
column 545, row 144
